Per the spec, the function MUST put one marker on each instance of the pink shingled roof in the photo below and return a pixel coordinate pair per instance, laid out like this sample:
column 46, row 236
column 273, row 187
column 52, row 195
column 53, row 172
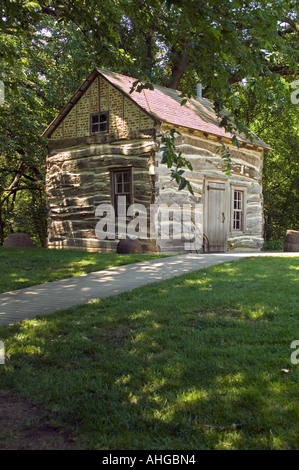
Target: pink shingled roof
column 165, row 105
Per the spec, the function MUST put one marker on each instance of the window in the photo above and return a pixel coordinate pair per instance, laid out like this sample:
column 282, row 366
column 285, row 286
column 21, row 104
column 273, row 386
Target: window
column 99, row 122
column 122, row 186
column 238, row 198
column 238, row 202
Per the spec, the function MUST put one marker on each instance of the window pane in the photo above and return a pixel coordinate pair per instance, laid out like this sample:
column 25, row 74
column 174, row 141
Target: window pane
column 119, row 188
column 237, row 220
column 127, row 177
column 103, row 127
column 127, row 187
column 95, row 118
column 101, row 121
column 119, row 177
column 237, row 200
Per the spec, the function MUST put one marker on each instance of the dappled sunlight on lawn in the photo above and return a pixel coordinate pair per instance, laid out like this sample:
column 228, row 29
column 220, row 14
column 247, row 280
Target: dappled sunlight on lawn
column 296, row 268
column 170, row 365
column 42, row 265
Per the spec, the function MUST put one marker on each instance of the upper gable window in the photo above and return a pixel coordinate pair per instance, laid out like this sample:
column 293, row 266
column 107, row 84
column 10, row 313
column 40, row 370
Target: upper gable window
column 99, row 122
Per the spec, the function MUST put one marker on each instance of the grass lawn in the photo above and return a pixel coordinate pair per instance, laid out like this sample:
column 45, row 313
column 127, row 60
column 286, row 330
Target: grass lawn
column 190, row 363
column 23, row 267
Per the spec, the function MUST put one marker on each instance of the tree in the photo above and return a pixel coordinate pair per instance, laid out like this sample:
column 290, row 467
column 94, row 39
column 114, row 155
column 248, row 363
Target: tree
column 47, row 47
column 39, row 70
column 269, row 112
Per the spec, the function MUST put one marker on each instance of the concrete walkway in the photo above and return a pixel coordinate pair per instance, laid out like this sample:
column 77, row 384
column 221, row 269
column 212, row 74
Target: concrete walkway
column 47, row 298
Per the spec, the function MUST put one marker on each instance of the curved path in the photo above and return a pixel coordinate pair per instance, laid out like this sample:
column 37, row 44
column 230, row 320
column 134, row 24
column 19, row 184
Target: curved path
column 47, row 298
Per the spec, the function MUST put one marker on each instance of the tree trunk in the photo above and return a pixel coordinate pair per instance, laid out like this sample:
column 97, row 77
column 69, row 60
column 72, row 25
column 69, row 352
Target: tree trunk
column 178, row 71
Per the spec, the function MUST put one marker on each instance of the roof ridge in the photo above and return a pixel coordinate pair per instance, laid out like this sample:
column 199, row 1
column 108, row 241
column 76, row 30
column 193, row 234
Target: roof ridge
column 160, row 103
column 162, row 87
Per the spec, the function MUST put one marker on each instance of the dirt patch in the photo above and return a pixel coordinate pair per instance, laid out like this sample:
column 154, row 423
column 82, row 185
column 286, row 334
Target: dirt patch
column 224, row 313
column 22, row 427
column 117, row 336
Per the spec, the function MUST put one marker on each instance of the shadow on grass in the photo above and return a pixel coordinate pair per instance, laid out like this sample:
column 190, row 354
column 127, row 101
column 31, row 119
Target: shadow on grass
column 190, row 363
column 24, row 267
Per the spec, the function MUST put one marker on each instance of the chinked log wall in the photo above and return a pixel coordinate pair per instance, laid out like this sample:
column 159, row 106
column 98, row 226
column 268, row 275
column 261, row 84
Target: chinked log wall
column 78, row 180
column 203, row 152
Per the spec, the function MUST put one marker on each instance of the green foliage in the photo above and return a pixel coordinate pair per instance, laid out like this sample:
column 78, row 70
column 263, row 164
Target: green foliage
column 225, row 154
column 267, row 110
column 273, row 245
column 40, row 71
column 29, row 216
column 48, row 47
column 174, row 160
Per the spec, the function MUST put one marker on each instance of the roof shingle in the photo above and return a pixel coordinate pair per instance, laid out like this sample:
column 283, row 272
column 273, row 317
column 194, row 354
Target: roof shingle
column 164, row 104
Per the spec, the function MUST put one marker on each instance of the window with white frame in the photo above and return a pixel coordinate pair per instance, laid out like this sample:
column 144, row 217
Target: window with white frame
column 238, row 197
column 238, row 209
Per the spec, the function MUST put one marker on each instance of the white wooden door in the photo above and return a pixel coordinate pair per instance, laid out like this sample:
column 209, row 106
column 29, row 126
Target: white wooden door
column 216, row 216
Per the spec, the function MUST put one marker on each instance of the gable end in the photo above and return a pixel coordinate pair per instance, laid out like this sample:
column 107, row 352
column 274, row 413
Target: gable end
column 95, row 96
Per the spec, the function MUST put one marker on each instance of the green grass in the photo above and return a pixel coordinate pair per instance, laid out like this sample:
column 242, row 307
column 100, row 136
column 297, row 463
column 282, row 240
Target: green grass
column 190, row 363
column 273, row 245
column 23, row 267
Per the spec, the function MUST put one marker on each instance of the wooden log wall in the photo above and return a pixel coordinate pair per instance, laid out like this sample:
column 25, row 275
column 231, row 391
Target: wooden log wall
column 203, row 152
column 78, row 180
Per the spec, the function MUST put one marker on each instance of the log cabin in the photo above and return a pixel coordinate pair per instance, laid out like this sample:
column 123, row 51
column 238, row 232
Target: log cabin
column 105, row 142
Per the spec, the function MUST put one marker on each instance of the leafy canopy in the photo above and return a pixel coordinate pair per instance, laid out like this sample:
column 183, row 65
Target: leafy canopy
column 245, row 54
